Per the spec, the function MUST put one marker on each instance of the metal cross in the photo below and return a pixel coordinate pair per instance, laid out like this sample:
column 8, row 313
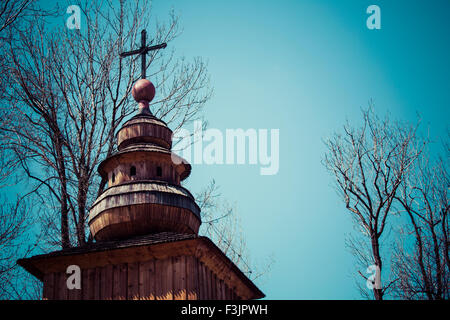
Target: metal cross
column 143, row 50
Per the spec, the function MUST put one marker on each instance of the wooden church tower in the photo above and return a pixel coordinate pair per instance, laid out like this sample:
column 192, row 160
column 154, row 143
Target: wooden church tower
column 146, row 228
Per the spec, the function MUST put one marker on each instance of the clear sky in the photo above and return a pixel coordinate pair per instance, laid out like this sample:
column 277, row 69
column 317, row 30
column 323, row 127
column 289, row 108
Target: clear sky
column 304, row 67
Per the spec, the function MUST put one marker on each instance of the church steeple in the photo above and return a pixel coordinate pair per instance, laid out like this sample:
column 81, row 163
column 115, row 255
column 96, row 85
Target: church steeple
column 144, row 194
column 145, row 225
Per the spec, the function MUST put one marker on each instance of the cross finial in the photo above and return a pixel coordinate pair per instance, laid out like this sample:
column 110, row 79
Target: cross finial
column 143, row 50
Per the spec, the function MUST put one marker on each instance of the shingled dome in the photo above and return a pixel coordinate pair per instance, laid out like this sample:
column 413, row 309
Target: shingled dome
column 144, row 194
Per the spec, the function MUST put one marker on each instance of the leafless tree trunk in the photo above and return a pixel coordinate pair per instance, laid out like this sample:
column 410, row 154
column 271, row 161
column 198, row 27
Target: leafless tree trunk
column 369, row 164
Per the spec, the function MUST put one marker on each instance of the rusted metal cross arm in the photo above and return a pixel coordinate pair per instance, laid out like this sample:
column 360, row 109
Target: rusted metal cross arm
column 142, row 51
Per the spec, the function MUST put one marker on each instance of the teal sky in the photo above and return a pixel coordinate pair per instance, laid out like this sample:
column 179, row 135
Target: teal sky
column 304, row 67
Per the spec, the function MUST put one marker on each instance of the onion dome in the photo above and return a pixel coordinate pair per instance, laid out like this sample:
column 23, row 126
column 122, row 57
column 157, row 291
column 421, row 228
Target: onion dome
column 144, row 194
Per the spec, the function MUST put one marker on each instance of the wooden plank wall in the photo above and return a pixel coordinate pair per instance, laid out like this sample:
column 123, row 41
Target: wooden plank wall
column 175, row 278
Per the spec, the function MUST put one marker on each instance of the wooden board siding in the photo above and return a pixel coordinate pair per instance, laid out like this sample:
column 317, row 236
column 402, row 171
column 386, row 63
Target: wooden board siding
column 175, row 278
column 141, row 219
column 48, row 288
column 147, row 156
column 179, row 278
column 192, row 280
column 141, row 208
column 145, row 170
column 133, row 281
column 144, row 131
column 106, row 284
column 147, row 280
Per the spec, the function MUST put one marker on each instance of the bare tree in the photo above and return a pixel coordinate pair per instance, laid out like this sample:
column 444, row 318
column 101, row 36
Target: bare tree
column 423, row 267
column 369, row 164
column 70, row 95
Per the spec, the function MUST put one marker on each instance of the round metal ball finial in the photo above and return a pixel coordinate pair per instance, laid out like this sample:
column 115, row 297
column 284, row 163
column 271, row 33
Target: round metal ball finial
column 143, row 92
